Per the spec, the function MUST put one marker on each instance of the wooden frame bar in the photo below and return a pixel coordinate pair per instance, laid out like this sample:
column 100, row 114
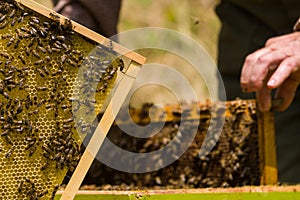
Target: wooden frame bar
column 100, row 133
column 267, row 149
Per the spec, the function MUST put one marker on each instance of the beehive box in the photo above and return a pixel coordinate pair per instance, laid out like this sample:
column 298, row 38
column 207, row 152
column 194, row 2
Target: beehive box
column 240, row 155
column 54, row 77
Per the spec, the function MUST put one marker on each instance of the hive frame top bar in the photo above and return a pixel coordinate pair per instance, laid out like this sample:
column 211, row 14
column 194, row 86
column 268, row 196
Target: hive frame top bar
column 85, row 31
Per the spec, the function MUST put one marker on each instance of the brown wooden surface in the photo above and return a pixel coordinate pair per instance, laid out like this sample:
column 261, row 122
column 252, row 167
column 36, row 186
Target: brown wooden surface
column 247, row 189
column 267, row 148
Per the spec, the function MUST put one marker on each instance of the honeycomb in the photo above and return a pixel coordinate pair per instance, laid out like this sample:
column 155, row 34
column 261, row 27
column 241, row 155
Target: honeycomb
column 52, row 82
column 232, row 162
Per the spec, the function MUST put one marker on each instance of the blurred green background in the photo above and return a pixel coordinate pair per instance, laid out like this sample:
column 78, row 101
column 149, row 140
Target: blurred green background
column 194, row 18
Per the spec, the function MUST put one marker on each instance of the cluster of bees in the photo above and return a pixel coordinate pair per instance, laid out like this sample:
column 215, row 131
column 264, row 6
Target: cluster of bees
column 230, row 158
column 52, row 80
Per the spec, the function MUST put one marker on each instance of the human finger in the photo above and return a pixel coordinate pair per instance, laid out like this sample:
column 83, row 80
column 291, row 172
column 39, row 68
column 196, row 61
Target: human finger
column 264, row 99
column 253, row 77
column 249, row 64
column 290, row 67
column 283, row 39
column 286, row 92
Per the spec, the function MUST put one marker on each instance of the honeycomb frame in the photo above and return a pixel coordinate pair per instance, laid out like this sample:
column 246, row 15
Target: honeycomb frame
column 243, row 154
column 41, row 55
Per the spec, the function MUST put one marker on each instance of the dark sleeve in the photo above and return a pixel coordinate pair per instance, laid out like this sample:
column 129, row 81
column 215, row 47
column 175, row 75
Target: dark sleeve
column 99, row 15
column 245, row 27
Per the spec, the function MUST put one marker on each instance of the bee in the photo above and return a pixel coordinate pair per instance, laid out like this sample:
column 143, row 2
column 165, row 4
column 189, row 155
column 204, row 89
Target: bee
column 46, row 148
column 30, row 143
column 48, row 106
column 61, row 148
column 54, row 16
column 42, row 49
column 5, row 55
column 36, row 54
column 67, row 25
column 57, row 45
column 33, row 31
column 41, row 194
column 22, row 59
column 57, row 156
column 72, row 62
column 35, row 20
column 56, row 49
column 3, row 25
column 38, row 62
column 4, row 133
column 43, row 32
column 21, row 19
column 19, row 108
column 9, row 153
column 6, row 95
column 31, row 42
column 6, row 36
column 42, row 88
column 64, row 58
column 49, row 49
column 65, row 46
column 68, row 120
column 20, row 187
column 17, row 4
column 47, row 58
column 62, row 142
column 46, row 155
column 36, row 111
column 69, row 156
column 29, row 181
column 62, row 161
column 61, row 38
column 2, row 18
column 57, row 143
column 110, row 45
column 46, row 70
column 12, row 14
column 46, row 24
column 44, row 166
column 65, row 126
column 13, row 21
column 32, row 150
column 64, row 106
column 8, row 78
column 41, row 72
column 26, row 30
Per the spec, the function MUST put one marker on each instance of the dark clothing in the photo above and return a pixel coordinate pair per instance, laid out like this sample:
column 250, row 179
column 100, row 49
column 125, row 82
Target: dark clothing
column 99, row 15
column 246, row 26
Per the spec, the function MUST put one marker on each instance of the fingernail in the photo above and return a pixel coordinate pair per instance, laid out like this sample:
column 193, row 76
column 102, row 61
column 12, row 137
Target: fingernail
column 272, row 82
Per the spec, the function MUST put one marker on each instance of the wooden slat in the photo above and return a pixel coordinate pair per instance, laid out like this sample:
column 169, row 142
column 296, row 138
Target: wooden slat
column 85, row 31
column 246, row 189
column 100, row 132
column 267, row 149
